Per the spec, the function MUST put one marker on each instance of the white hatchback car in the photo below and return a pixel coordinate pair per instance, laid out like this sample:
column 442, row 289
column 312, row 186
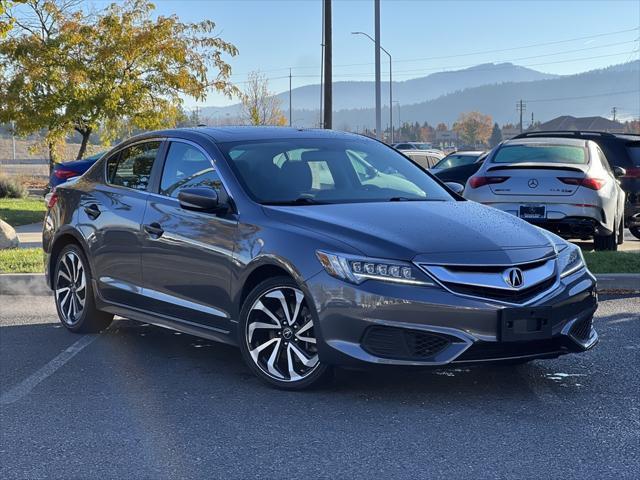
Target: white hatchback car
column 563, row 185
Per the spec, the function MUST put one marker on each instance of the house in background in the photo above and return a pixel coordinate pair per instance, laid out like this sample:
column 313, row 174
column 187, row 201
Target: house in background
column 567, row 122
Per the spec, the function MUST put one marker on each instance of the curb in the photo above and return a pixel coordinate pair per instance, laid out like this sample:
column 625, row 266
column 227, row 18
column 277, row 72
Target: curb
column 35, row 284
column 628, row 282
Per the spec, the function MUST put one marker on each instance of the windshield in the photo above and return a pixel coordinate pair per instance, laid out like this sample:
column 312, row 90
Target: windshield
column 308, row 171
column 541, row 153
column 456, row 160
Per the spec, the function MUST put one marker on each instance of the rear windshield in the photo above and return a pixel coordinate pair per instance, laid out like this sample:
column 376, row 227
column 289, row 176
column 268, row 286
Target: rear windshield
column 541, row 153
column 455, row 160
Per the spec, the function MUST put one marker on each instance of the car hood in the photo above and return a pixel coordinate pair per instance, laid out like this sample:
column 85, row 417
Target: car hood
column 440, row 232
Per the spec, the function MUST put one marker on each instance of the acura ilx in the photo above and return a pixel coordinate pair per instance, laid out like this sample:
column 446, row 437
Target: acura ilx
column 309, row 249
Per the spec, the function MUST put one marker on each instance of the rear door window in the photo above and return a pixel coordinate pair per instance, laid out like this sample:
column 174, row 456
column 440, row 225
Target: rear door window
column 132, row 167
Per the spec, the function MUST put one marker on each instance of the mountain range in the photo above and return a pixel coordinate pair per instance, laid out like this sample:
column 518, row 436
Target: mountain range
column 493, row 89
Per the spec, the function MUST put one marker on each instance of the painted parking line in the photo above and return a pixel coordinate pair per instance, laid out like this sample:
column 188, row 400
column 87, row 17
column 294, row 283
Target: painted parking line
column 28, row 384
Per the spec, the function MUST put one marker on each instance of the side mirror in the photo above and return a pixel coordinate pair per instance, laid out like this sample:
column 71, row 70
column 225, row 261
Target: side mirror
column 201, row 199
column 619, row 171
column 456, row 187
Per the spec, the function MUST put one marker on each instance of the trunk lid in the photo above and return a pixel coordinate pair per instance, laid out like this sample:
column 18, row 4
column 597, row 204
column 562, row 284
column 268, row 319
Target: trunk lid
column 537, row 179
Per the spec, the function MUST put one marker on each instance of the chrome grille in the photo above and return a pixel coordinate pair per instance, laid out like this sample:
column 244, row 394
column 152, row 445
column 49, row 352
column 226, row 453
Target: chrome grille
column 491, row 282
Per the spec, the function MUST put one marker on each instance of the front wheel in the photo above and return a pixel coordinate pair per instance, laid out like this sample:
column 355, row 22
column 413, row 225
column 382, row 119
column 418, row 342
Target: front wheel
column 635, row 231
column 73, row 293
column 277, row 336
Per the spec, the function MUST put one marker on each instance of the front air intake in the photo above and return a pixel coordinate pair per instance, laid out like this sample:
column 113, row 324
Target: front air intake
column 403, row 344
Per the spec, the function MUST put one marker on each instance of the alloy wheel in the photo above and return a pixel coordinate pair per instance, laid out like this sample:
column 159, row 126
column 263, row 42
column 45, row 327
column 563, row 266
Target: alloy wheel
column 71, row 287
column 280, row 335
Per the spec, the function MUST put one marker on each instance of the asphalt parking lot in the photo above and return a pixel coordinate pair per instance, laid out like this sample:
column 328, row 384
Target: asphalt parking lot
column 141, row 402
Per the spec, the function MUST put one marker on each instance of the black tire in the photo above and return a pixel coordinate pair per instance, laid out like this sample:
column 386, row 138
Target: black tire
column 278, row 354
column 73, row 293
column 606, row 242
column 621, row 232
column 635, row 231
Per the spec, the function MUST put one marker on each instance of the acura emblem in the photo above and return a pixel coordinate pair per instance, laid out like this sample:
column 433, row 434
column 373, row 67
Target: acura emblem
column 533, row 183
column 513, row 277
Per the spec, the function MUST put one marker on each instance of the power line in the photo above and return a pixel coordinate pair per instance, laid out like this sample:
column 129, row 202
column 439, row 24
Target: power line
column 583, row 96
column 481, row 52
column 416, row 72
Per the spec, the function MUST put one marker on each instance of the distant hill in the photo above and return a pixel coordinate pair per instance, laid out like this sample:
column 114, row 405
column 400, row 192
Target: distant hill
column 586, row 94
column 349, row 95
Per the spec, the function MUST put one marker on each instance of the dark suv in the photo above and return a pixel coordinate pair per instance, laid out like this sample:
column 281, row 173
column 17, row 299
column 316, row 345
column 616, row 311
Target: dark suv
column 308, row 249
column 622, row 150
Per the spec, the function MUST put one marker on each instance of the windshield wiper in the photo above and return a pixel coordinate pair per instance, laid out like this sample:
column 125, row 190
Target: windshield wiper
column 297, row 201
column 407, row 199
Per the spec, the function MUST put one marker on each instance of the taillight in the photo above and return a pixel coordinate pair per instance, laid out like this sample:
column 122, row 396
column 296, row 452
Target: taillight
column 633, row 172
column 52, row 200
column 476, row 182
column 65, row 174
column 592, row 183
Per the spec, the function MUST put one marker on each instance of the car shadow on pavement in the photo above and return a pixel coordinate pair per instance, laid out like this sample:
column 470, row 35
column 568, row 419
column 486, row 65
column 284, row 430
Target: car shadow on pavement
column 142, row 358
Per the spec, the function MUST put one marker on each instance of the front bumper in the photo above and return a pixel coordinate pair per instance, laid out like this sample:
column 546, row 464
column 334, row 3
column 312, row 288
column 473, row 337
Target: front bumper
column 378, row 323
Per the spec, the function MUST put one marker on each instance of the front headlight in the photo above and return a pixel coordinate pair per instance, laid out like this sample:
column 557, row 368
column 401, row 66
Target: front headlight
column 570, row 259
column 358, row 269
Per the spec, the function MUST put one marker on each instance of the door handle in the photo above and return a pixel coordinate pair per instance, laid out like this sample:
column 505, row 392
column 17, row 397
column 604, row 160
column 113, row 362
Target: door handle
column 92, row 211
column 154, row 230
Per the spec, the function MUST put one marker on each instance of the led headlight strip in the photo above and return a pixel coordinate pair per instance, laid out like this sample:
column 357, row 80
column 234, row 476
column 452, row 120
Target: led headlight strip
column 358, row 269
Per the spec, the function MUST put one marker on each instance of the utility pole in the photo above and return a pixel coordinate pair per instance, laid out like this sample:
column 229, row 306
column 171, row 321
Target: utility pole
column 290, row 110
column 614, row 110
column 532, row 120
column 321, row 70
column 521, row 107
column 328, row 108
column 377, row 60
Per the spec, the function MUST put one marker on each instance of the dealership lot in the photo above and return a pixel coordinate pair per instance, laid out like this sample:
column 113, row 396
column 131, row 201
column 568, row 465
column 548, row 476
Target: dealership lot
column 142, row 402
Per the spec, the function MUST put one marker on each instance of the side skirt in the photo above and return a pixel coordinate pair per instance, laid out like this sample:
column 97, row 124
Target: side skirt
column 184, row 326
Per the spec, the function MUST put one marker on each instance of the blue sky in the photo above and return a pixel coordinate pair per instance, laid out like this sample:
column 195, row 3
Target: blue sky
column 275, row 35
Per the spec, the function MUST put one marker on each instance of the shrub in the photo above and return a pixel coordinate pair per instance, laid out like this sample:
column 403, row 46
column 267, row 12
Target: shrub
column 11, row 188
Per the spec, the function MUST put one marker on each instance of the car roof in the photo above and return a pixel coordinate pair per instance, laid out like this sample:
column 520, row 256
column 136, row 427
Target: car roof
column 578, row 142
column 246, row 133
column 467, row 152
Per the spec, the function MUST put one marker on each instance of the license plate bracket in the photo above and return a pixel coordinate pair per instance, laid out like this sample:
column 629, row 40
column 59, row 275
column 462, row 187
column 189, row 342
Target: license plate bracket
column 533, row 212
column 522, row 324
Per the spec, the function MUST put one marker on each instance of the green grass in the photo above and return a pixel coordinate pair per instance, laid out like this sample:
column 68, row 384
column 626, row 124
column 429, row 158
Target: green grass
column 22, row 211
column 613, row 262
column 29, row 260
column 21, row 260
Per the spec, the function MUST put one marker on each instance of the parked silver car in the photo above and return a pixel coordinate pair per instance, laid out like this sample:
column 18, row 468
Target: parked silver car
column 563, row 185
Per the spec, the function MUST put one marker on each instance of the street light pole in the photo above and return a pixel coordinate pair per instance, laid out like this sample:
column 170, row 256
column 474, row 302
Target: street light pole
column 390, row 81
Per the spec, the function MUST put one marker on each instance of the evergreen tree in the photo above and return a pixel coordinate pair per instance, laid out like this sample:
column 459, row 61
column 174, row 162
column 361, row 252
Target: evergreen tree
column 496, row 136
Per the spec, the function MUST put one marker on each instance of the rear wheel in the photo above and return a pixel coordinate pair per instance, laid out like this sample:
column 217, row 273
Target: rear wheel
column 606, row 242
column 277, row 336
column 621, row 232
column 74, row 294
column 635, row 231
